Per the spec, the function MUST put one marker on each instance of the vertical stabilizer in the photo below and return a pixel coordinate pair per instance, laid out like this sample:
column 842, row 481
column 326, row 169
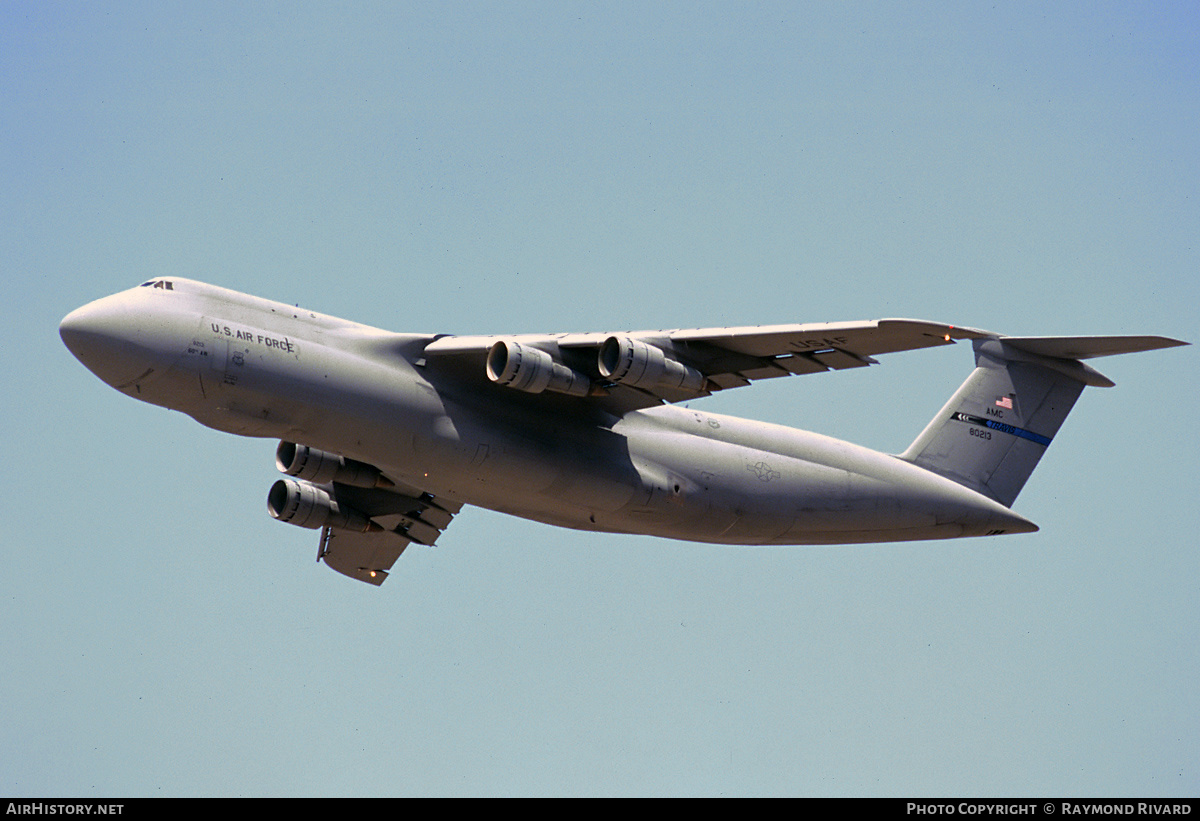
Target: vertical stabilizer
column 995, row 428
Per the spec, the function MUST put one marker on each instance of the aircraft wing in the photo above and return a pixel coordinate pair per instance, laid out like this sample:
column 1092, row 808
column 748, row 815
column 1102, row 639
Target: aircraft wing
column 711, row 359
column 398, row 516
column 742, row 355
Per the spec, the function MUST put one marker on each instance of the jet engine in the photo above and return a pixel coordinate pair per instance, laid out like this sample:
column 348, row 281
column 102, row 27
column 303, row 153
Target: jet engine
column 306, row 505
column 323, row 467
column 633, row 362
column 532, row 370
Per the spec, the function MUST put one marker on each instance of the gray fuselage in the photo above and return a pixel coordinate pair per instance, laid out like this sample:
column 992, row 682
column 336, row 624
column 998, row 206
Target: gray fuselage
column 254, row 367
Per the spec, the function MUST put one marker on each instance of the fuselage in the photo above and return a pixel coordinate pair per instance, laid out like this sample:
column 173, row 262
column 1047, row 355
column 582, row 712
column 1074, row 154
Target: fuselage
column 259, row 368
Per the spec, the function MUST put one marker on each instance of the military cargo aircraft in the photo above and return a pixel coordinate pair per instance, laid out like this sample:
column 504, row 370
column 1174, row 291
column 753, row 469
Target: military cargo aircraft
column 384, row 437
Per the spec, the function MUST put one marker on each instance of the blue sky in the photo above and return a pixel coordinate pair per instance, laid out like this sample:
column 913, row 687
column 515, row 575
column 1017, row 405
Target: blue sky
column 520, row 167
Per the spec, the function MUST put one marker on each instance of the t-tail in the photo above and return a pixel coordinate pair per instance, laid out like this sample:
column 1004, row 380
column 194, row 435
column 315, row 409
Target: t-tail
column 994, row 430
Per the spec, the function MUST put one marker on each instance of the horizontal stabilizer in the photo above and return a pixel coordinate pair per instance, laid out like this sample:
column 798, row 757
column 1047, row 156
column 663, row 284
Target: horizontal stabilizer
column 1088, row 347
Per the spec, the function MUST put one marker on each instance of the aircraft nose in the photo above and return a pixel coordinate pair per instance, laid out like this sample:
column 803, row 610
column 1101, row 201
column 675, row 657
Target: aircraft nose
column 103, row 336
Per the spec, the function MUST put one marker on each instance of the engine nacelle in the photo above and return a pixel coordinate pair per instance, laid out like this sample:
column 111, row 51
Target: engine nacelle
column 322, row 467
column 633, row 362
column 306, row 505
column 532, row 370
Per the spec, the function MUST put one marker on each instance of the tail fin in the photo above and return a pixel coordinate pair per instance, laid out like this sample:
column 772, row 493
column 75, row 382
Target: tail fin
column 994, row 430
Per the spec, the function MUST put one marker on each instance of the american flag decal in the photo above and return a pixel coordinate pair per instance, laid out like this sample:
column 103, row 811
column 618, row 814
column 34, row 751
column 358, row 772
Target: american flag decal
column 1005, row 402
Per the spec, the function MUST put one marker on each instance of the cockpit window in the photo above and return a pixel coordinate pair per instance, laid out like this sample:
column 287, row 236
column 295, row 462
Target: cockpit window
column 158, row 283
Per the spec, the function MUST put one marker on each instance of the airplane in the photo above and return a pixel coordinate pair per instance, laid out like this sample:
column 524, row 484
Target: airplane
column 385, row 437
